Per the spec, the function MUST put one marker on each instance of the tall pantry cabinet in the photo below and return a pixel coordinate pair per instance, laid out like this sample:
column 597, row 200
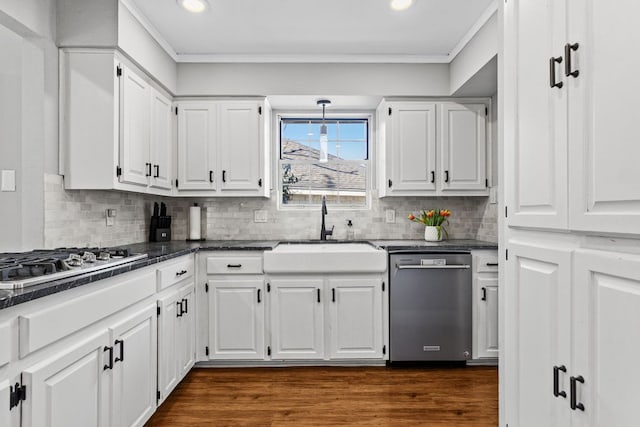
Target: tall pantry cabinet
column 572, row 213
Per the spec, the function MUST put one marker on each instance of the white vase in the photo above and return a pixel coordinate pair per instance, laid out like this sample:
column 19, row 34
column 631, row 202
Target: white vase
column 432, row 233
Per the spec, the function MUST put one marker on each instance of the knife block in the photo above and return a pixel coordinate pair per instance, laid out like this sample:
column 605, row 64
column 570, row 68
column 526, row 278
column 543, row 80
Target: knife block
column 160, row 229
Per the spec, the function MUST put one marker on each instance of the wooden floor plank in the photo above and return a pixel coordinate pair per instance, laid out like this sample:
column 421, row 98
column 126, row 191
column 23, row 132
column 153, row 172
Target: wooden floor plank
column 334, row 396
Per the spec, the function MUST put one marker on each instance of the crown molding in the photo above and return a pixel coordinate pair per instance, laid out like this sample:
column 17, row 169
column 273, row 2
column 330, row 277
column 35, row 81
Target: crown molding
column 486, row 15
column 153, row 31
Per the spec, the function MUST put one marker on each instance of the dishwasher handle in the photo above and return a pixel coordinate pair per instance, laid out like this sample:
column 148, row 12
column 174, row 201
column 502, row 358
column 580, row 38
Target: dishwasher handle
column 432, row 267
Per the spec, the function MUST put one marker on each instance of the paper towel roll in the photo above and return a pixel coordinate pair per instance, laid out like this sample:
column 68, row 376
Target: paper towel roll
column 194, row 223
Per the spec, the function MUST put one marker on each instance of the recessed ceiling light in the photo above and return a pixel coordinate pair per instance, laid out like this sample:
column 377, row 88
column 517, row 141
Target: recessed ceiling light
column 195, row 6
column 401, row 4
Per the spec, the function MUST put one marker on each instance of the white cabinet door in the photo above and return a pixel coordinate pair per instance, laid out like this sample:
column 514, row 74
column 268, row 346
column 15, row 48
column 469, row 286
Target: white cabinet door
column 412, row 149
column 487, row 325
column 70, row 389
column 538, row 315
column 240, row 146
column 603, row 121
column 606, row 292
column 463, row 151
column 187, row 330
column 535, row 114
column 134, row 132
column 297, row 318
column 355, row 321
column 161, row 137
column 8, row 417
column 196, row 146
column 236, row 319
column 133, row 393
column 168, row 343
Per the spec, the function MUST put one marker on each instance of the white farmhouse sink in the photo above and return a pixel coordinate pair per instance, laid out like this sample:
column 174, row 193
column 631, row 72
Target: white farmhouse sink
column 325, row 258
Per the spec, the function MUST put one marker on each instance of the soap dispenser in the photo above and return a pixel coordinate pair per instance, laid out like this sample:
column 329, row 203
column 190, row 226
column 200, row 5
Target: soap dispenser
column 351, row 234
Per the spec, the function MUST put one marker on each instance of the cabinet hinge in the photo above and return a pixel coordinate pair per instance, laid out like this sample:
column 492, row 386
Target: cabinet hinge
column 389, row 110
column 158, row 311
column 260, row 110
column 506, row 254
column 176, row 111
column 176, row 183
column 260, row 182
column 384, row 349
column 157, row 395
column 206, row 351
column 268, row 350
column 268, row 287
column 118, row 171
column 17, row 394
column 118, row 71
column 390, row 183
column 382, row 286
column 206, row 287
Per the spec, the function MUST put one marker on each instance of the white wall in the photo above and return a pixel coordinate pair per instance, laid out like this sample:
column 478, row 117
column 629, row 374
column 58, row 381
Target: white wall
column 87, row 23
column 475, row 55
column 313, row 79
column 28, row 117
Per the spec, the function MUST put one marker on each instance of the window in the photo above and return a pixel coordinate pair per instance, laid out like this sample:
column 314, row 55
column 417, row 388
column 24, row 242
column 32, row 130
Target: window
column 342, row 179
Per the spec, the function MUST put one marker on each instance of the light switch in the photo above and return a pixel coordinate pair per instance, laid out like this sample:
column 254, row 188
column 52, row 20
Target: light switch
column 260, row 216
column 391, row 216
column 8, row 180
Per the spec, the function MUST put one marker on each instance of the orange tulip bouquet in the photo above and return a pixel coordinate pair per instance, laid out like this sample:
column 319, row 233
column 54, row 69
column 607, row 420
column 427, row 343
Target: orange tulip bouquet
column 433, row 221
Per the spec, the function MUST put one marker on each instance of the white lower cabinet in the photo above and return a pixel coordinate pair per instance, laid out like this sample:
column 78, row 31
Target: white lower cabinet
column 133, row 394
column 297, row 318
column 237, row 319
column 70, row 388
column 7, row 416
column 355, row 318
column 187, row 330
column 485, row 304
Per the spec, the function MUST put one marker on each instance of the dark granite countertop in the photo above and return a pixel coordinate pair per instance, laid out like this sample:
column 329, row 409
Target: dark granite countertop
column 163, row 251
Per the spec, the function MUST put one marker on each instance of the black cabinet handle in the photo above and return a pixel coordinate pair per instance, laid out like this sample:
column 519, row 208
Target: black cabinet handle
column 390, row 183
column 110, row 364
column 180, row 273
column 179, row 311
column 556, row 381
column 260, row 182
column 259, row 299
column 446, row 176
column 484, row 294
column 492, row 264
column 157, row 174
column 121, row 357
column 234, row 265
column 552, row 72
column 210, row 176
column 567, row 54
column 574, row 398
column 186, row 305
column 333, row 294
column 224, row 176
column 148, row 165
column 318, row 292
column 433, row 176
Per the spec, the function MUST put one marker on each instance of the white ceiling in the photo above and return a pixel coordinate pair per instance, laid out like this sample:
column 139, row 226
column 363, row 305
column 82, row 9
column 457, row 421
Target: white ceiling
column 314, row 30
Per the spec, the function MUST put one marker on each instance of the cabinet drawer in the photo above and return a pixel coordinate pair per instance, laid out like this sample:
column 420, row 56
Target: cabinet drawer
column 43, row 327
column 487, row 263
column 234, row 265
column 175, row 271
column 6, row 340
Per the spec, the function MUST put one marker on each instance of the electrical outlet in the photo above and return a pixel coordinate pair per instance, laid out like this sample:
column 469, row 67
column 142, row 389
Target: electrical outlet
column 110, row 215
column 260, row 216
column 8, row 178
column 391, row 216
column 493, row 195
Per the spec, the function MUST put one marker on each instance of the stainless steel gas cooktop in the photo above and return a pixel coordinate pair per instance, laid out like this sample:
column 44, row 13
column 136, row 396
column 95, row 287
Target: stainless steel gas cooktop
column 18, row 270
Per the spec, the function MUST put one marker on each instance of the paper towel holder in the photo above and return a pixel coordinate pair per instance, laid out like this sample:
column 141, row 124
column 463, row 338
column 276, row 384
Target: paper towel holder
column 202, row 239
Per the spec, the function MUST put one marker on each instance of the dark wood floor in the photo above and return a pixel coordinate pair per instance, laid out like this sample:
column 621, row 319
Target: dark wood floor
column 334, row 396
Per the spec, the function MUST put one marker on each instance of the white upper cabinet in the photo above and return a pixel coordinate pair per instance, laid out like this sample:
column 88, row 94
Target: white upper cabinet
column 196, row 152
column 432, row 148
column 463, row 162
column 115, row 125
column 222, row 148
column 604, row 184
column 566, row 109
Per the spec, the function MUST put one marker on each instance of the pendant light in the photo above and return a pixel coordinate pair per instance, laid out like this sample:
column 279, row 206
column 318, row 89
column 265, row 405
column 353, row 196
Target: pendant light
column 324, row 154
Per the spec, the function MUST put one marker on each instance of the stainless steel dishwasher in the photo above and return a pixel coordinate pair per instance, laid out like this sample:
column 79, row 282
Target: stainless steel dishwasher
column 430, row 306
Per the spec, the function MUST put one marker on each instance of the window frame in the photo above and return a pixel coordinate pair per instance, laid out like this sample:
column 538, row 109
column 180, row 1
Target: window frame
column 367, row 115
